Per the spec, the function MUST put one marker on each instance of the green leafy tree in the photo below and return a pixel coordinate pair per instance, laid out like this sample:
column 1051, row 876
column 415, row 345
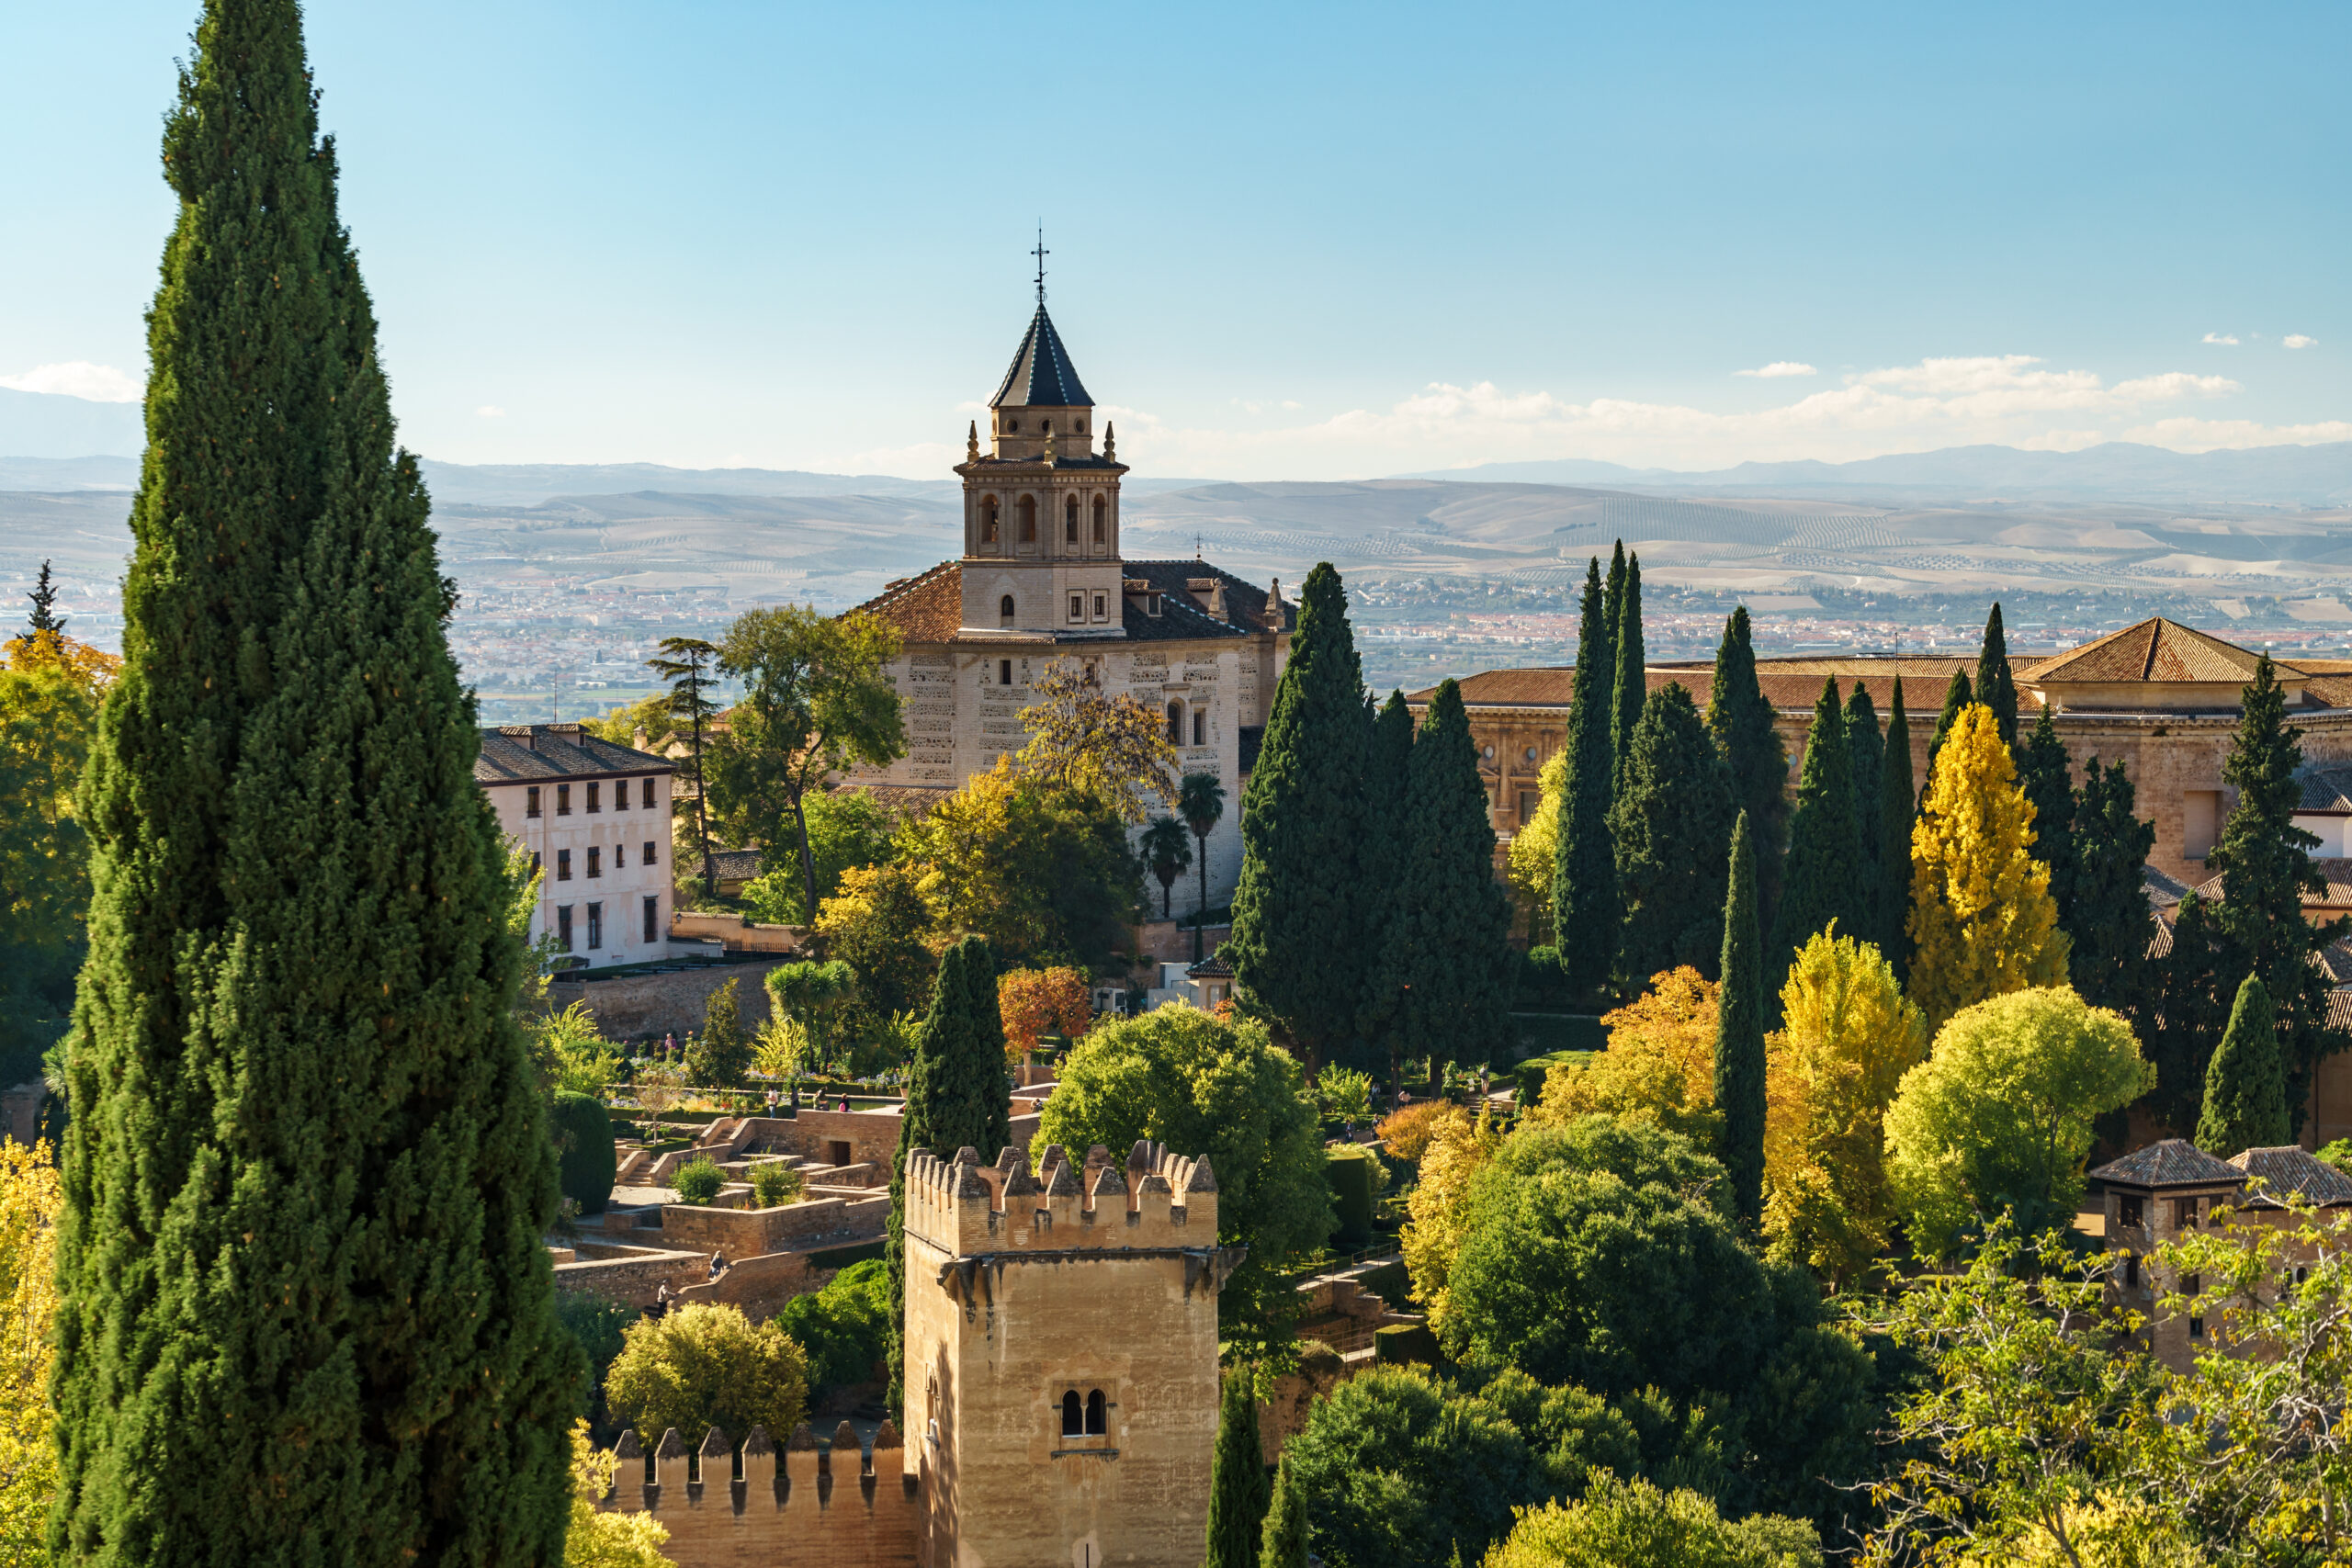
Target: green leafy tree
column 816, row 703
column 1387, row 840
column 874, row 923
column 721, row 1054
column 1448, row 959
column 2246, row 1084
column 688, row 663
column 1167, row 849
column 1898, row 804
column 1671, row 826
column 1865, row 758
column 1995, row 687
column 1204, row 1086
column 847, row 828
column 1998, row 1118
column 1237, row 1489
column 1283, row 1544
column 1741, row 721
column 623, row 724
column 958, row 1096
column 844, row 1326
column 2105, row 914
column 1631, row 1524
column 2046, row 775
column 1632, row 680
column 1739, row 1037
column 814, row 996
column 1301, row 913
column 47, row 716
column 704, row 1365
column 308, row 1172
column 1958, row 696
column 2264, row 861
column 1826, row 874
column 1200, row 801
column 1586, row 910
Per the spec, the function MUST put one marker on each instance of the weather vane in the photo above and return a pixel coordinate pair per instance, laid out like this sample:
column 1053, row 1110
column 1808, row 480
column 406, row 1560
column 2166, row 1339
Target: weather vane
column 1041, row 254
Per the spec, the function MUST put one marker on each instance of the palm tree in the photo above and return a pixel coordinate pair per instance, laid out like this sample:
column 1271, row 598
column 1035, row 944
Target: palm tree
column 1168, row 849
column 1200, row 800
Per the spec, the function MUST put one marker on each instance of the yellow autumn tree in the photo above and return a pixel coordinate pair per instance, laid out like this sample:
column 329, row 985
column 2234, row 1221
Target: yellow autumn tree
column 1659, row 1068
column 601, row 1540
column 31, row 1200
column 1084, row 738
column 1848, row 1037
column 1532, row 849
column 1983, row 924
column 1458, row 1149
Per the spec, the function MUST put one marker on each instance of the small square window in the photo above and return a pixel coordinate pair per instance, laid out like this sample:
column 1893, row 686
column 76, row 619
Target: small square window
column 595, row 927
column 563, row 926
column 620, row 795
column 1102, row 606
column 645, row 796
column 564, row 800
column 531, row 801
column 1078, row 606
column 2130, row 1212
column 563, row 865
column 594, row 790
column 1004, row 672
column 652, row 915
column 595, row 860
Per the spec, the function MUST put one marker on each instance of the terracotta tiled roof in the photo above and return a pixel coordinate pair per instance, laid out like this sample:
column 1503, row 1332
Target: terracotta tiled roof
column 2174, row 1162
column 928, row 608
column 522, row 752
column 2155, row 649
column 2164, row 891
column 2328, row 691
column 2292, row 1173
column 1788, row 683
column 2160, row 943
column 737, row 865
column 2336, row 892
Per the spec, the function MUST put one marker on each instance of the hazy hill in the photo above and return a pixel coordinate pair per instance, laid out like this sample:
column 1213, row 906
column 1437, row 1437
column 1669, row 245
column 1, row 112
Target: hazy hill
column 43, row 424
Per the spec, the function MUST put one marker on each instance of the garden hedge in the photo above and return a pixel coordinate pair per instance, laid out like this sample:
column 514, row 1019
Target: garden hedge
column 584, row 1141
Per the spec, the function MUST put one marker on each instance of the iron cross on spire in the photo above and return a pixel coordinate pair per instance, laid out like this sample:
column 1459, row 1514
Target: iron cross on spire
column 1041, row 254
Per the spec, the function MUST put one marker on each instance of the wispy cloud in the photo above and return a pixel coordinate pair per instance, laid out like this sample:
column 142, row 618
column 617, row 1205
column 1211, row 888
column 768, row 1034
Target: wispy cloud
column 2187, row 434
column 2297, row 340
column 78, row 378
column 1777, row 368
column 2229, row 339
column 488, row 411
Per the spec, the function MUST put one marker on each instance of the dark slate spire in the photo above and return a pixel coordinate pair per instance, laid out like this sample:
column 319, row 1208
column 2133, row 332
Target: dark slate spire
column 1042, row 375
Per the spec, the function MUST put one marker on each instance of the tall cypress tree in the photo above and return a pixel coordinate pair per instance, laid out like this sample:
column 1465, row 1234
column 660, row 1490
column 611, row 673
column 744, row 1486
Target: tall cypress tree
column 1613, row 606
column 2264, row 862
column 1957, row 696
column 1387, row 831
column 2045, row 774
column 958, row 1096
column 2109, row 922
column 1995, row 687
column 1633, row 666
column 305, row 1312
column 1825, row 876
column 2246, row 1084
column 1448, row 953
column 1584, row 879
column 1238, row 1489
column 1284, row 1542
column 1303, row 919
column 1739, row 1037
column 1741, row 721
column 2188, row 994
column 1864, row 748
column 1898, row 806
column 1672, row 826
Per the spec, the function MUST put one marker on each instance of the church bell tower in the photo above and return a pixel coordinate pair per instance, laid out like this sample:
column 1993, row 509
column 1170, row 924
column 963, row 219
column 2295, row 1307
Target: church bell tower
column 1041, row 508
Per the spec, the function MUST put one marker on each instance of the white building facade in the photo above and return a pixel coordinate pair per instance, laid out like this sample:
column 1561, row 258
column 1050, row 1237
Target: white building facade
column 595, row 818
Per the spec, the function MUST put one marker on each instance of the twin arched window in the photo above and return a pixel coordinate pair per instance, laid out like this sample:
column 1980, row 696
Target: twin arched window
column 1028, row 519
column 1088, row 1419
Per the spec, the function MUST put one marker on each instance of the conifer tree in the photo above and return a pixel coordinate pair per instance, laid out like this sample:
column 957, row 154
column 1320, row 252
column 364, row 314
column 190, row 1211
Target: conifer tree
column 1584, row 880
column 1739, row 1037
column 1633, row 667
column 1386, row 829
column 1957, row 696
column 1671, row 826
column 2264, row 862
column 306, row 1313
column 1613, row 609
column 2046, row 775
column 1238, row 1491
column 1898, row 806
column 2246, row 1084
column 1447, row 958
column 2109, row 924
column 1741, row 721
column 1826, row 875
column 1982, row 922
column 1996, row 688
column 1303, row 916
column 1864, row 746
column 2189, row 988
column 958, row 1097
column 1284, row 1544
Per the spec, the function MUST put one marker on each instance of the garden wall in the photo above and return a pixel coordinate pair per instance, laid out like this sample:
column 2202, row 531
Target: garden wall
column 748, row 1232
column 638, row 1007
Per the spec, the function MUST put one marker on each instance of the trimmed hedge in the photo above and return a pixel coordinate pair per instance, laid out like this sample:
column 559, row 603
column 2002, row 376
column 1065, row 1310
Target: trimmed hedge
column 1532, row 1071
column 586, row 1164
column 1356, row 1180
column 843, row 1256
column 1397, row 1343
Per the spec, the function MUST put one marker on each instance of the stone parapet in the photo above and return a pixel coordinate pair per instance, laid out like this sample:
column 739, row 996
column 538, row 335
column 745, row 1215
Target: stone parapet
column 1156, row 1199
column 756, row 1508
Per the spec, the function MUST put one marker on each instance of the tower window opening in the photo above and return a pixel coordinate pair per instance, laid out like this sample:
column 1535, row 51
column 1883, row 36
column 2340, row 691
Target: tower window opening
column 1004, row 610
column 1175, row 724
column 1073, row 1415
column 1070, row 520
column 1200, row 727
column 988, row 519
column 1098, row 1414
column 1049, row 427
column 1012, row 426
column 1028, row 519
column 1082, row 427
column 1101, row 509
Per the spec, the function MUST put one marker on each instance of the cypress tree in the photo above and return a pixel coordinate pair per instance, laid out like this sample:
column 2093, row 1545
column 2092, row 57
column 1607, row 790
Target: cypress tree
column 2188, row 992
column 2110, row 923
column 1957, row 696
column 1825, row 874
column 305, row 1311
column 1612, row 607
column 2246, row 1084
column 1740, row 1038
column 1239, row 1490
column 1741, row 721
column 958, row 1096
column 1672, row 827
column 1898, row 804
column 1863, row 748
column 2045, row 774
column 2264, row 862
column 1584, row 879
column 1284, row 1544
column 1303, row 919
column 1448, row 954
column 1633, row 666
column 1995, row 687
column 1386, row 829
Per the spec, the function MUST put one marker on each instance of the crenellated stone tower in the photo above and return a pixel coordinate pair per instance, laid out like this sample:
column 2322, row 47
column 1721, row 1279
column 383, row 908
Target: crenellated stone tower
column 1061, row 1356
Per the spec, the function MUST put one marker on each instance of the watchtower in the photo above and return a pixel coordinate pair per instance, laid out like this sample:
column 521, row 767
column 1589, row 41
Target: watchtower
column 1061, row 1345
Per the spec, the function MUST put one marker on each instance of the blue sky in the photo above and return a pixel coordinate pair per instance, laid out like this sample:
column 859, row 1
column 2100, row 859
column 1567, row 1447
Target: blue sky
column 1288, row 241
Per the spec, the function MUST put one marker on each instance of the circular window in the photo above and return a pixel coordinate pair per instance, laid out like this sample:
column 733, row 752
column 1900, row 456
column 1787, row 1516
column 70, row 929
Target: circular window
column 1488, row 753
column 1082, row 427
column 1530, row 753
column 1013, row 424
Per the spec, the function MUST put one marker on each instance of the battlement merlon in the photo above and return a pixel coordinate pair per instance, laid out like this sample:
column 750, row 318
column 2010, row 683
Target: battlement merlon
column 1157, row 1200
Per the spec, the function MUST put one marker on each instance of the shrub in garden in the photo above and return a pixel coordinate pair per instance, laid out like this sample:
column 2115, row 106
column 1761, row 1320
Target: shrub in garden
column 705, row 1365
column 775, row 1184
column 584, row 1141
column 699, row 1181
column 1357, row 1179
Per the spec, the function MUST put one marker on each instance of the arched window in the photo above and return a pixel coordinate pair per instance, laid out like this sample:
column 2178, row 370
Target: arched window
column 988, row 519
column 1175, row 724
column 1004, row 610
column 1098, row 1414
column 1028, row 519
column 1101, row 510
column 1070, row 520
column 1074, row 1417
